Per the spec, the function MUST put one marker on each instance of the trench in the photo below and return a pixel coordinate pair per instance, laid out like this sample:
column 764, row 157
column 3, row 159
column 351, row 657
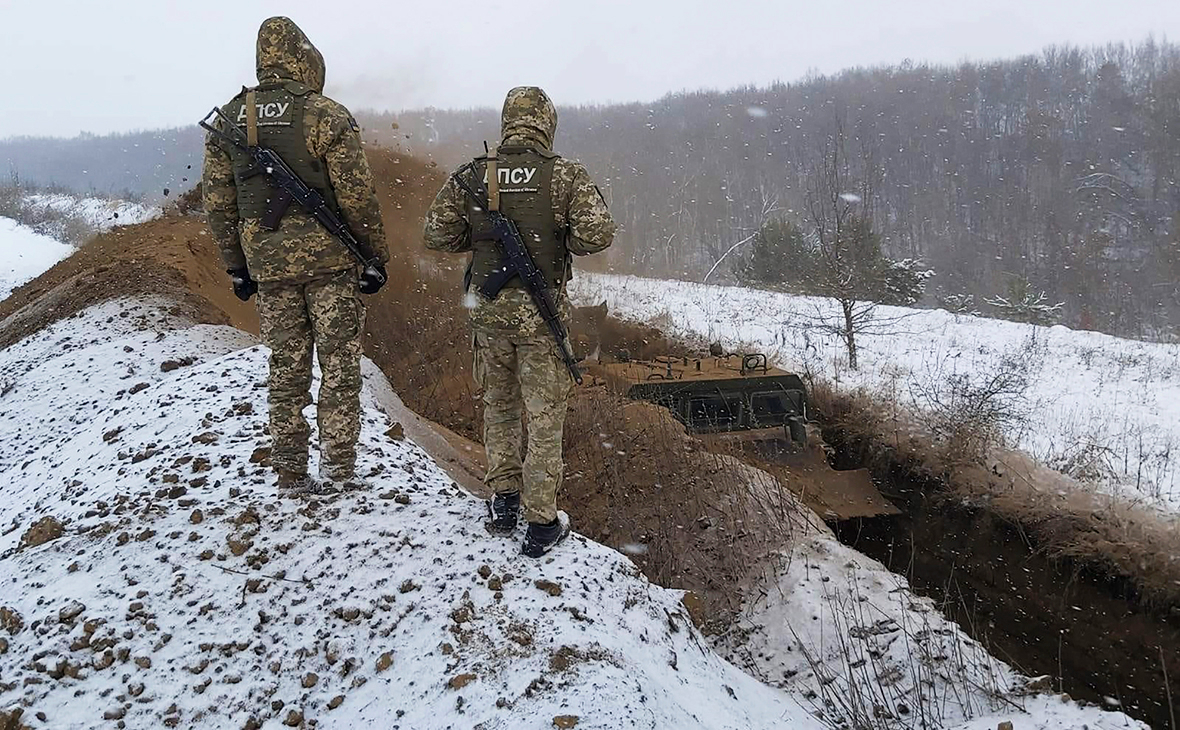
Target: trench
column 1043, row 615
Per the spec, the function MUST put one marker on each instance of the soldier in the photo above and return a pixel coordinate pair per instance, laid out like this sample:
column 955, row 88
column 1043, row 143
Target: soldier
column 559, row 211
column 307, row 283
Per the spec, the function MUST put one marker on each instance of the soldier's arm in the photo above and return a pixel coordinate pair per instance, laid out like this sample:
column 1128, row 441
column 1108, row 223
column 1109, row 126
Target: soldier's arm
column 591, row 228
column 219, row 196
column 339, row 144
column 446, row 221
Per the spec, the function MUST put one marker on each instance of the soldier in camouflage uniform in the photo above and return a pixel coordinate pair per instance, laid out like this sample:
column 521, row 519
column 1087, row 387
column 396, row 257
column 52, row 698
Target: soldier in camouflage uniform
column 559, row 211
column 307, row 282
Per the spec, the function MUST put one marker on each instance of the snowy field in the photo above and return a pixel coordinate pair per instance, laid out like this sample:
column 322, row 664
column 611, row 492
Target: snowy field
column 175, row 589
column 101, row 213
column 1101, row 408
column 25, row 254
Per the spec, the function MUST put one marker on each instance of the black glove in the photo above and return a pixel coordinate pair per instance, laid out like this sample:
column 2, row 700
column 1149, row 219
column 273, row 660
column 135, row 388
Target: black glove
column 244, row 286
column 372, row 279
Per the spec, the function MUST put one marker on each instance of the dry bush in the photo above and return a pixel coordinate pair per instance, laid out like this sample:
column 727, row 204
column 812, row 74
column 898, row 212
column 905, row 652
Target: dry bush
column 63, row 225
column 967, row 414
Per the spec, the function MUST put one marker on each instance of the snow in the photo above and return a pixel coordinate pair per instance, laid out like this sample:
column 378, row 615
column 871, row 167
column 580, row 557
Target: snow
column 834, row 627
column 185, row 593
column 101, row 213
column 25, row 254
column 1101, row 408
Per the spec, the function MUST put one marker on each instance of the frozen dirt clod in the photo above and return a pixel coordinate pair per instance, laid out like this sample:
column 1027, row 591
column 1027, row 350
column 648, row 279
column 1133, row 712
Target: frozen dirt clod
column 42, row 531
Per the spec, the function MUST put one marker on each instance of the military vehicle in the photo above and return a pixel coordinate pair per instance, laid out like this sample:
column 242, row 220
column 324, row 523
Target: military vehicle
column 716, row 394
column 751, row 409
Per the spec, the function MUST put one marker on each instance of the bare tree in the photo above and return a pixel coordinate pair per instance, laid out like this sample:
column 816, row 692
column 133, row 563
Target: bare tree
column 844, row 241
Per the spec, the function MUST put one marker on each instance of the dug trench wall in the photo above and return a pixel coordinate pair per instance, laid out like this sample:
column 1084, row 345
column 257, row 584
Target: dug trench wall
column 1053, row 580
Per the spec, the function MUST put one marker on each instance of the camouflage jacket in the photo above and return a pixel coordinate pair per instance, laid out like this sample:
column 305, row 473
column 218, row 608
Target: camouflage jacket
column 529, row 120
column 300, row 249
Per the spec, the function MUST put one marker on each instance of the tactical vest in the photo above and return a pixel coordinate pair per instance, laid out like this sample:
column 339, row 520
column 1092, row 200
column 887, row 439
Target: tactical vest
column 279, row 106
column 526, row 197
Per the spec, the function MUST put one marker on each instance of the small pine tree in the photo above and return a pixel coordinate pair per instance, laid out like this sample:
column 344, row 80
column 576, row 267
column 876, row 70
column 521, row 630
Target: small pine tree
column 903, row 282
column 1024, row 304
column 778, row 255
column 958, row 303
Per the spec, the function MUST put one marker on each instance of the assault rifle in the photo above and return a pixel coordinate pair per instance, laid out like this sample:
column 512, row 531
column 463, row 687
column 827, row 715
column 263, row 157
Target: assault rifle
column 290, row 188
column 517, row 261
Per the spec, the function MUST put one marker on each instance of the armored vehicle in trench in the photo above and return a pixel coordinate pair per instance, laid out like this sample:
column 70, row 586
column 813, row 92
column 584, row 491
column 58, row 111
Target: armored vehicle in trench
column 742, row 405
column 724, row 394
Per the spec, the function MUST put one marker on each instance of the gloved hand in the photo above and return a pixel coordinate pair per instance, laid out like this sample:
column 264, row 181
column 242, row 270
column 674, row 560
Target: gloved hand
column 372, row 279
column 244, row 286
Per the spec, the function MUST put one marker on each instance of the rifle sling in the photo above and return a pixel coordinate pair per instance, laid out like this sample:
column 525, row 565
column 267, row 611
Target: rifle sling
column 493, row 181
column 251, row 119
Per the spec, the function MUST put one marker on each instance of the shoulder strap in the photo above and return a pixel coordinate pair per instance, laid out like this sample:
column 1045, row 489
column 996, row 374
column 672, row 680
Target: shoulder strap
column 251, row 119
column 493, row 181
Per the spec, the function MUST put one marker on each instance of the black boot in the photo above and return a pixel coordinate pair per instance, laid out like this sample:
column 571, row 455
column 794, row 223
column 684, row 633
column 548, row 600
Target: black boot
column 504, row 511
column 541, row 537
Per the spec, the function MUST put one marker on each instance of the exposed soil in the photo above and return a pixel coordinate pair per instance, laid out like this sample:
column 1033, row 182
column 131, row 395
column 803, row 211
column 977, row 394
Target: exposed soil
column 1045, row 615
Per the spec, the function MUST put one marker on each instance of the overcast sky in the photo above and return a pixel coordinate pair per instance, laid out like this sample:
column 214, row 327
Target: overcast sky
column 81, row 65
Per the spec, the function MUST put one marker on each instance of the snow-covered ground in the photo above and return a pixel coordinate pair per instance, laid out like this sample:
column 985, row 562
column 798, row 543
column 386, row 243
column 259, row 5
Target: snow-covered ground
column 101, row 213
column 1102, row 408
column 835, row 628
column 182, row 592
column 25, row 254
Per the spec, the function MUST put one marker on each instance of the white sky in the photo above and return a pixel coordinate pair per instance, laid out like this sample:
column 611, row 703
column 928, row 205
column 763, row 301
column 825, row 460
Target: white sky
column 118, row 65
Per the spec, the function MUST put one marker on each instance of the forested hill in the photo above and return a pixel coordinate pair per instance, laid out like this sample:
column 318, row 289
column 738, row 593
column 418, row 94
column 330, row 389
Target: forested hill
column 1058, row 170
column 136, row 164
column 1052, row 173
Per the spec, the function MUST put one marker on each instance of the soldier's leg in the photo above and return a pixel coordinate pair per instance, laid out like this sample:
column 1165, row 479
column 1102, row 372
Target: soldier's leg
column 495, row 372
column 545, row 384
column 286, row 330
column 337, row 317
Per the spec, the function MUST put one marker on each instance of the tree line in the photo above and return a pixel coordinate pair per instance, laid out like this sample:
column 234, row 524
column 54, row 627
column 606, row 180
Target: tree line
column 1042, row 187
column 1024, row 184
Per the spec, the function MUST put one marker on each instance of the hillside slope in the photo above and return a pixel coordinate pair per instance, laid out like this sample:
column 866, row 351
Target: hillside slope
column 174, row 588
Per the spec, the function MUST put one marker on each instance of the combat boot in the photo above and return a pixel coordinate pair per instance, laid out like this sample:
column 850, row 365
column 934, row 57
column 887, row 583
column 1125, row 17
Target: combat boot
column 294, row 484
column 541, row 538
column 503, row 511
column 342, row 480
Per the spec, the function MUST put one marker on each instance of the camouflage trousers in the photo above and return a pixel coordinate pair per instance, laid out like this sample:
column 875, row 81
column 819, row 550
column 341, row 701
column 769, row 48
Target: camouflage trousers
column 327, row 313
column 522, row 374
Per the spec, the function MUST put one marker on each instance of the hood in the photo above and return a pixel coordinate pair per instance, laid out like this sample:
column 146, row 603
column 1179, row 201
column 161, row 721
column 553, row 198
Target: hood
column 529, row 118
column 284, row 52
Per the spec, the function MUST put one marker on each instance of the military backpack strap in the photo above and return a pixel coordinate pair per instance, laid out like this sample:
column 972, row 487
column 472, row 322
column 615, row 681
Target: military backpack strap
column 251, row 119
column 493, row 181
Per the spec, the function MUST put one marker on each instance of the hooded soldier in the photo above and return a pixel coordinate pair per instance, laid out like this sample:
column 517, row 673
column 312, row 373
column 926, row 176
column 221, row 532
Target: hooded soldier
column 306, row 280
column 560, row 213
